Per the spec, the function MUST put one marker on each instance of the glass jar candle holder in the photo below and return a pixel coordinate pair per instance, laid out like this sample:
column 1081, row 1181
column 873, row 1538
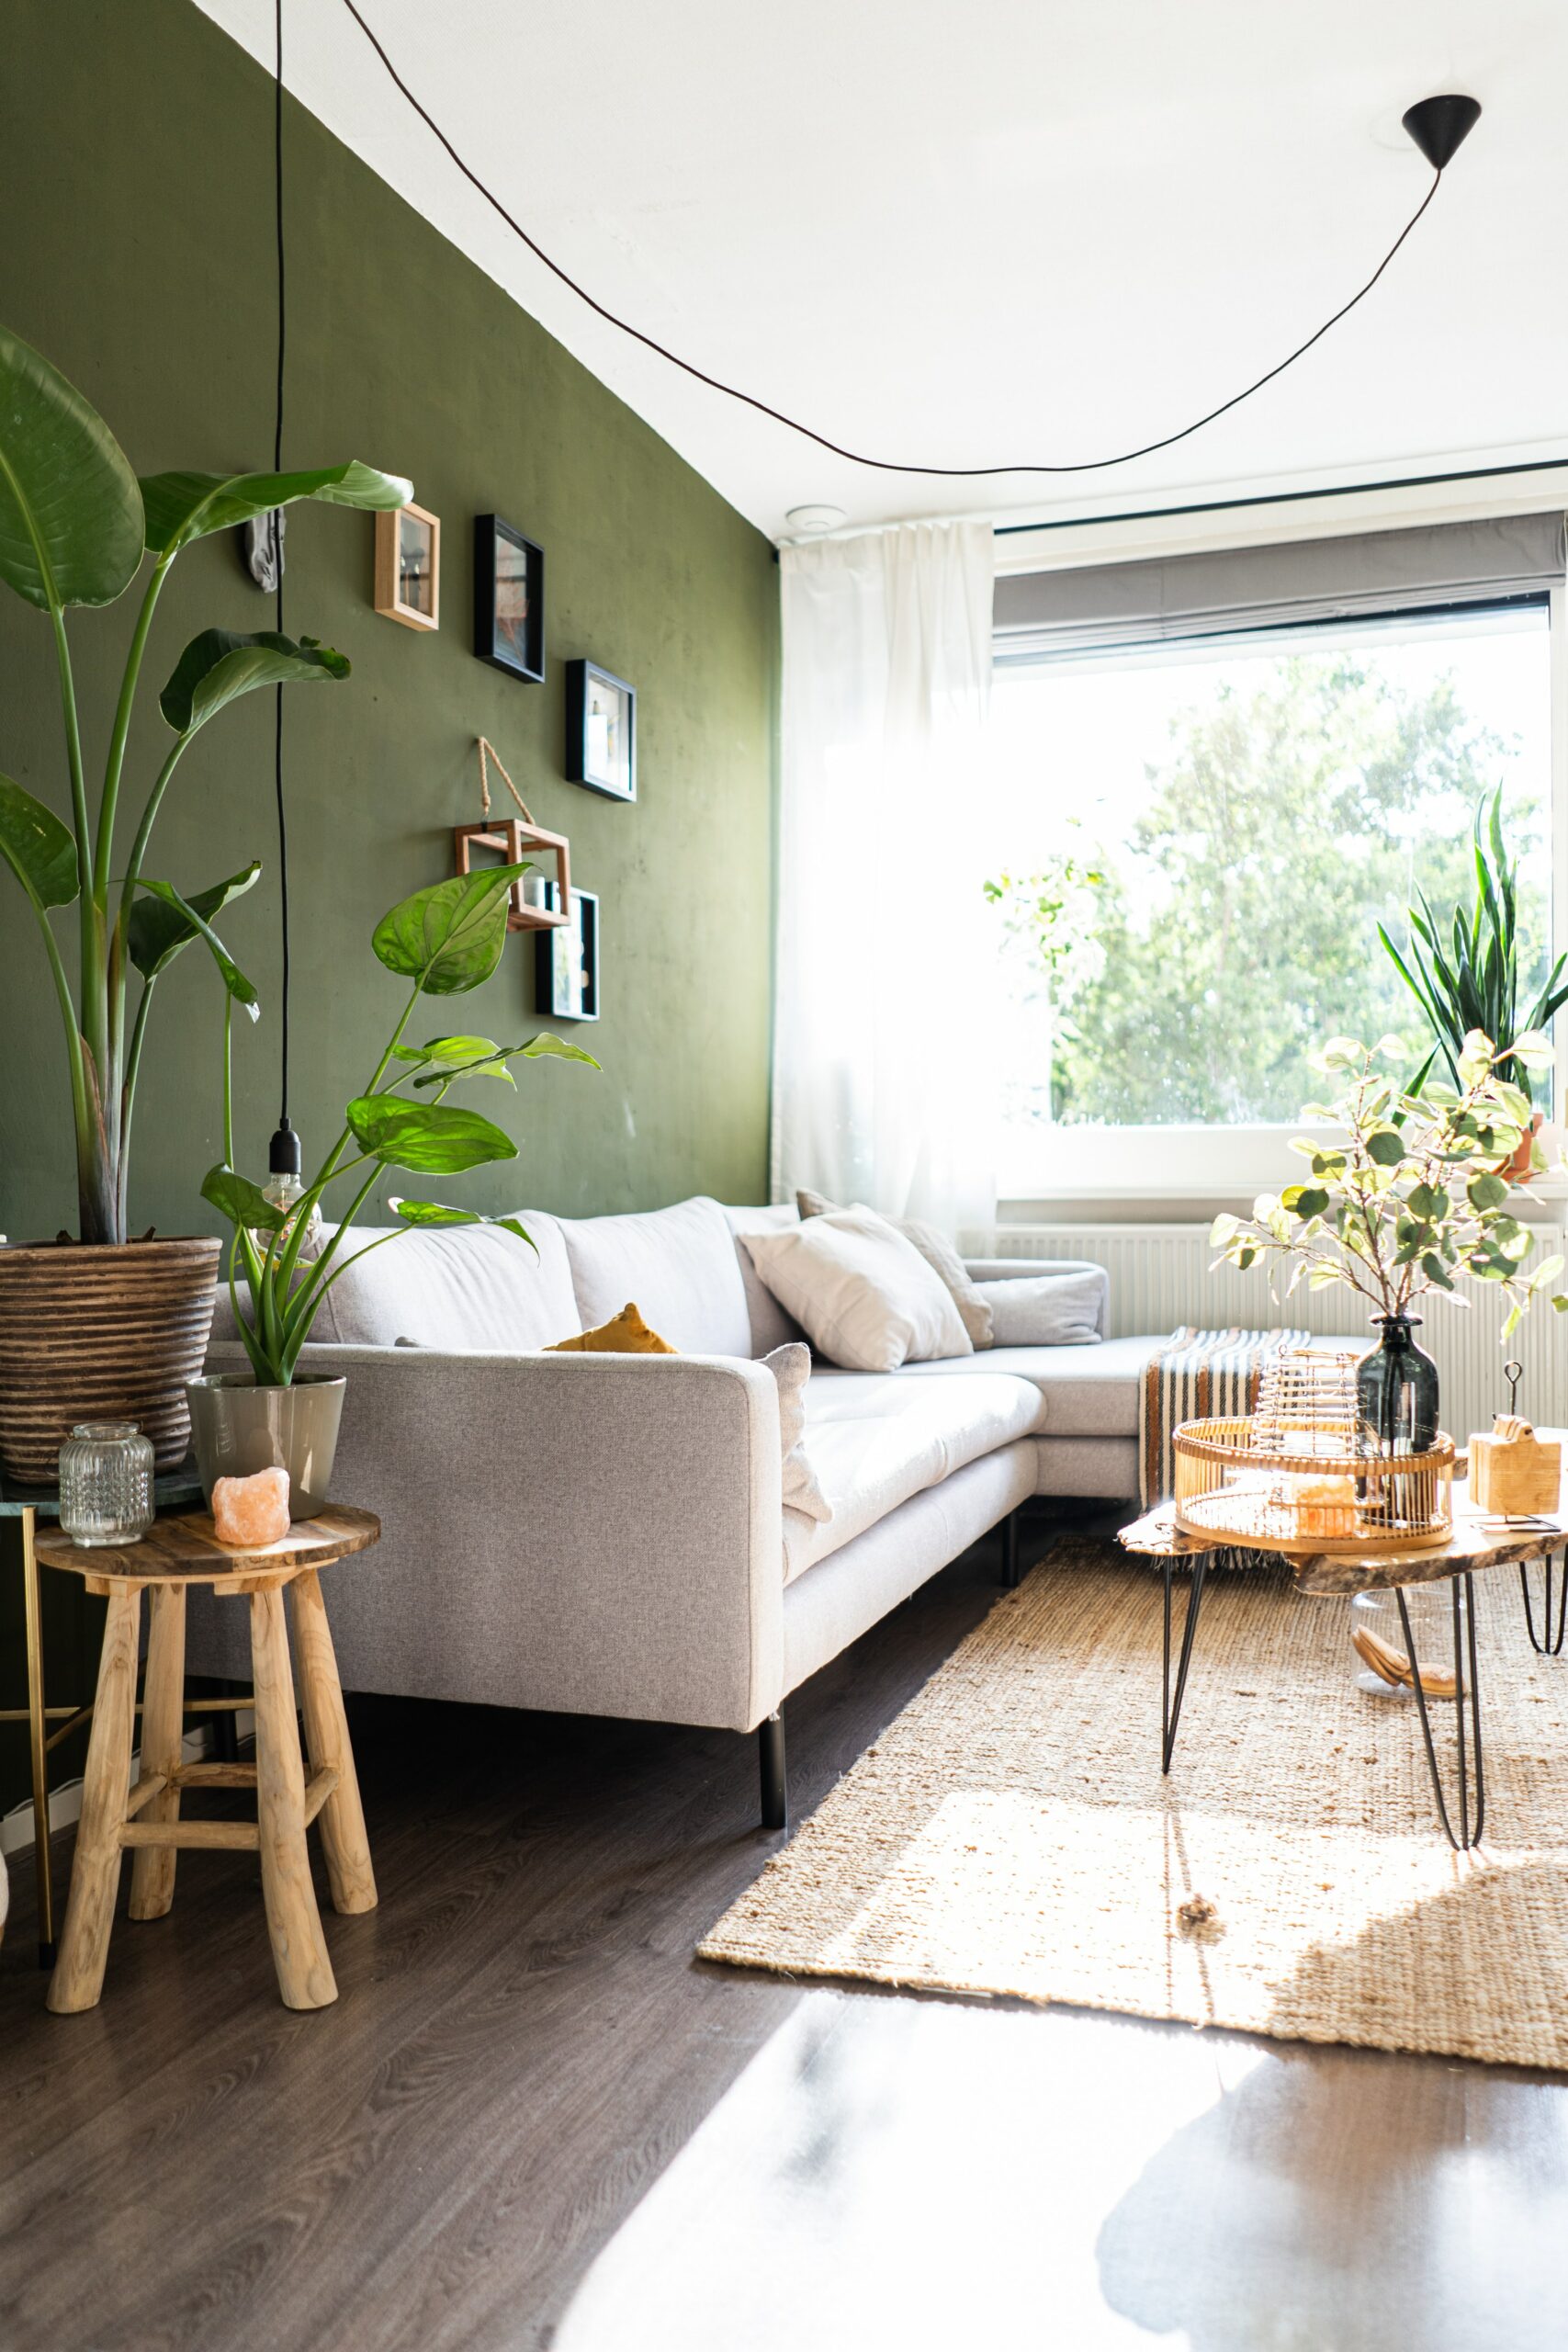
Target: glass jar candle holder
column 105, row 1482
column 1376, row 1614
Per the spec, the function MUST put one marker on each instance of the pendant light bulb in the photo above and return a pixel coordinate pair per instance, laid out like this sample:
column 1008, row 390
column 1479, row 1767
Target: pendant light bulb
column 284, row 1185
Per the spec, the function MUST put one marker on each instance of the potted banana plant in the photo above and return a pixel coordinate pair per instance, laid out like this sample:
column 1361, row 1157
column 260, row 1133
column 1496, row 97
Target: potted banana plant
column 445, row 940
column 99, row 1324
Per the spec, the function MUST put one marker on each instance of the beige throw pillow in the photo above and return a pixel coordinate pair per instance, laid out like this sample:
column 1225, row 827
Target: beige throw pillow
column 862, row 1295
column 805, row 1504
column 939, row 1256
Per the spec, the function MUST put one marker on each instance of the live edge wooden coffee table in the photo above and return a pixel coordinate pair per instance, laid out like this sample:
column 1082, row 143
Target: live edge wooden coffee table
column 180, row 1551
column 1476, row 1543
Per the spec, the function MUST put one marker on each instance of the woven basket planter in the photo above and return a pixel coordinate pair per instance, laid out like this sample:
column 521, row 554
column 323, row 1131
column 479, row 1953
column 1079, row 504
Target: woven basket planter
column 104, row 1333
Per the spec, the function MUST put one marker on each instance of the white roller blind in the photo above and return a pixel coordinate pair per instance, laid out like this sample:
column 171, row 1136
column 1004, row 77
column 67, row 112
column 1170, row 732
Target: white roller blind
column 1041, row 616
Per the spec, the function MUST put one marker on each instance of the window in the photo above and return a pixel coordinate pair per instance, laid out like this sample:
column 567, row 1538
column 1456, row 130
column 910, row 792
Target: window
column 1196, row 841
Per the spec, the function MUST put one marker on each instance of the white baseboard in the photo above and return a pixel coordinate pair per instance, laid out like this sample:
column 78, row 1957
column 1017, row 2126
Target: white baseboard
column 65, row 1802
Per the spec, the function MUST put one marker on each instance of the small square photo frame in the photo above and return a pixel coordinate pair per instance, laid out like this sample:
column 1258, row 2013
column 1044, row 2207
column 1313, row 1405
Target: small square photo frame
column 408, row 567
column 601, row 731
column 509, row 599
column 566, row 962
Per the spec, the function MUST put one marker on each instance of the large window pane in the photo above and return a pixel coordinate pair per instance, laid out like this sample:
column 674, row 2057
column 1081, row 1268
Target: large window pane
column 1199, row 842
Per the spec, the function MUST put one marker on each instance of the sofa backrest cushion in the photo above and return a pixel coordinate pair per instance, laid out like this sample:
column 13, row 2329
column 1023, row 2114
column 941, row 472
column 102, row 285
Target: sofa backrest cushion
column 772, row 1326
column 457, row 1287
column 681, row 1266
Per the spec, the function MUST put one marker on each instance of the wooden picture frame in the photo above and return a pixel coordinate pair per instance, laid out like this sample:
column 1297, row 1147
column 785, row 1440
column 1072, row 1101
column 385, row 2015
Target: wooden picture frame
column 601, row 731
column 509, row 599
column 566, row 962
column 408, row 567
column 512, row 840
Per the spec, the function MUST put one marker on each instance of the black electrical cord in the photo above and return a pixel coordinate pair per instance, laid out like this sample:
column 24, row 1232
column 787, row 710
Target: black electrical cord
column 882, row 465
column 277, row 557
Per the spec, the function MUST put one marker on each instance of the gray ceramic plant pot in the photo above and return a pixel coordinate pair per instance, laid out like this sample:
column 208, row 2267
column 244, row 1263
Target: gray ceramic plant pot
column 237, row 1427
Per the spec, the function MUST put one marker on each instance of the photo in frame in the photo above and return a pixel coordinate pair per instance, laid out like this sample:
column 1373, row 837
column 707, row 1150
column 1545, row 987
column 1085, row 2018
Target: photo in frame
column 408, row 567
column 509, row 599
column 566, row 966
column 601, row 731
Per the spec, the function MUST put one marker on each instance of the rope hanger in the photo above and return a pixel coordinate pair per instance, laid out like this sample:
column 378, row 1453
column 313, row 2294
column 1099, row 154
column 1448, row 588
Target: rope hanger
column 487, row 751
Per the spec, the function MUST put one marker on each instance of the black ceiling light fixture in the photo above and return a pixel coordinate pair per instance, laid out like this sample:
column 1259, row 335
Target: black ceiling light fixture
column 1438, row 125
column 1441, row 127
column 285, row 1162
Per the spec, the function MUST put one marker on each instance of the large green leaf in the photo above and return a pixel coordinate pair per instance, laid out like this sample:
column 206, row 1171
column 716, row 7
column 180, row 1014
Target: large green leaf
column 448, row 937
column 70, row 507
column 490, row 1060
column 455, row 1058
column 426, row 1136
column 218, row 666
column 234, row 979
column 240, row 1201
column 159, row 929
column 37, row 847
column 182, row 507
column 428, row 1213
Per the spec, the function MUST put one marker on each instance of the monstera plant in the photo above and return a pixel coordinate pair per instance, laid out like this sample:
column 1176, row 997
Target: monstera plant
column 76, row 528
column 445, row 940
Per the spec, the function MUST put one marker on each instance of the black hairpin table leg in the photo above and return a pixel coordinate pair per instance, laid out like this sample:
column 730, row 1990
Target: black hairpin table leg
column 1550, row 1641
column 1471, row 1783
column 1170, row 1714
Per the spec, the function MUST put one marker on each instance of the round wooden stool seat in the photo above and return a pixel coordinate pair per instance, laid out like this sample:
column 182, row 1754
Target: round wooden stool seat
column 177, row 1552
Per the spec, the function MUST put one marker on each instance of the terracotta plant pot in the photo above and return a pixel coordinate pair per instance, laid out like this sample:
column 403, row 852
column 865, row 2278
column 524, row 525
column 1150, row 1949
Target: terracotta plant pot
column 1517, row 1168
column 108, row 1333
column 238, row 1427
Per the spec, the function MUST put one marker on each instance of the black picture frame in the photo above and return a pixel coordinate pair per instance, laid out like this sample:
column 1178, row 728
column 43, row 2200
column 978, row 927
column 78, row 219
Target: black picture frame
column 506, row 565
column 555, row 992
column 594, row 697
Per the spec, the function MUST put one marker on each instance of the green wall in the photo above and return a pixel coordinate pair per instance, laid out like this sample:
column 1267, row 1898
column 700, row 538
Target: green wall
column 135, row 157
column 138, row 255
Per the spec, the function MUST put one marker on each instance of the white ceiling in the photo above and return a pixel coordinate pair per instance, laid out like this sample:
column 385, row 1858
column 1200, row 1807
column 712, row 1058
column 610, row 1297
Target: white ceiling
column 966, row 232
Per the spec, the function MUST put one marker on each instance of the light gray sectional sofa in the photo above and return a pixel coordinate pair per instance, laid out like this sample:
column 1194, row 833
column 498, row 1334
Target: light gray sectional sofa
column 603, row 1534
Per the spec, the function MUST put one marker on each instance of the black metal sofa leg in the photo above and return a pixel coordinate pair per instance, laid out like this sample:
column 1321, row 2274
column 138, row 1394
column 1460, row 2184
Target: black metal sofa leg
column 775, row 1784
column 1011, row 1570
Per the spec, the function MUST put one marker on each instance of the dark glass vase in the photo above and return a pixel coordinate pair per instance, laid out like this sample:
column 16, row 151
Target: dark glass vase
column 1397, row 1388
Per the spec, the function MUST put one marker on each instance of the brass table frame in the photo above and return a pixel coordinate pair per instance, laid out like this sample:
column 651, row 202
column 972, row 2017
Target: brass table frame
column 27, row 1505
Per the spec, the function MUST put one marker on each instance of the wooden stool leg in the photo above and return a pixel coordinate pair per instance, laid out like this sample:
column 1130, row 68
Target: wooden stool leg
column 304, row 1973
column 343, row 1841
column 162, row 1735
column 78, row 1977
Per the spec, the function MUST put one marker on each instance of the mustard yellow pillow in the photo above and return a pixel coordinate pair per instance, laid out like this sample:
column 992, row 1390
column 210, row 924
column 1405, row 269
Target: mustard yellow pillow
column 624, row 1334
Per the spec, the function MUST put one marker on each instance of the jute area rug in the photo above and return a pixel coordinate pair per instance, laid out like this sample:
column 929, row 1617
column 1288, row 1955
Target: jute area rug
column 1010, row 1833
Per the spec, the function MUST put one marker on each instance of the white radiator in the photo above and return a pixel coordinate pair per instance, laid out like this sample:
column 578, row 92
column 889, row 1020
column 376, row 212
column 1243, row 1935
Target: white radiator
column 1160, row 1277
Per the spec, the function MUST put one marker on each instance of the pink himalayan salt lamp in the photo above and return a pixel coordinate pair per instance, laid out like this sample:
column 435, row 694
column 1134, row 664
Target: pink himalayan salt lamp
column 249, row 1512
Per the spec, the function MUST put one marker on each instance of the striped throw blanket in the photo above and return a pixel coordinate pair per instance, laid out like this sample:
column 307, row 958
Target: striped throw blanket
column 1194, row 1375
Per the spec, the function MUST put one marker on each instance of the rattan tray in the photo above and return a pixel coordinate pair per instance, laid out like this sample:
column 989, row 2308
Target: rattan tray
column 1339, row 1494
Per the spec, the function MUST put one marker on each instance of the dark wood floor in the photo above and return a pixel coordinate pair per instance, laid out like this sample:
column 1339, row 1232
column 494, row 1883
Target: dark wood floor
column 533, row 2119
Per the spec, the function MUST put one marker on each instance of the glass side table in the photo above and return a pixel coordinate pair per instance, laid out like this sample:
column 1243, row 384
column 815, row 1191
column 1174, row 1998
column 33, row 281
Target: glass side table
column 27, row 1505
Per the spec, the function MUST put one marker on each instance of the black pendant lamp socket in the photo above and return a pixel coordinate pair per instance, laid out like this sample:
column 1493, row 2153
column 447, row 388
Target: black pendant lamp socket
column 1441, row 127
column 285, row 1161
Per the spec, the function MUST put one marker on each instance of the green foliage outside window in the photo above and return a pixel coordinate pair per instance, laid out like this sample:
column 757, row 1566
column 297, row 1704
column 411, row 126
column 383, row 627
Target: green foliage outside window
column 1238, row 923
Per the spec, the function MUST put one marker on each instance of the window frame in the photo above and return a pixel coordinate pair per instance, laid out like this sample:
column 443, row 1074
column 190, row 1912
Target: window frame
column 1216, row 1163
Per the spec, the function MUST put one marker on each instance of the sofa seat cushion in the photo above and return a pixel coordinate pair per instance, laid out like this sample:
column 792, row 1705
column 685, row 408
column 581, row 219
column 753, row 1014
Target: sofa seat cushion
column 679, row 1265
column 1087, row 1391
column 463, row 1288
column 874, row 1439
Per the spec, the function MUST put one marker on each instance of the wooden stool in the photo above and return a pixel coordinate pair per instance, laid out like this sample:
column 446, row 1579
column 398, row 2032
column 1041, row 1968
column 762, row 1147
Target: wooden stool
column 177, row 1552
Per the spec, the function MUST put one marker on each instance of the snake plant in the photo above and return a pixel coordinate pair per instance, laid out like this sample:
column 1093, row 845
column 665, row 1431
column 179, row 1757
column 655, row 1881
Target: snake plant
column 1466, row 976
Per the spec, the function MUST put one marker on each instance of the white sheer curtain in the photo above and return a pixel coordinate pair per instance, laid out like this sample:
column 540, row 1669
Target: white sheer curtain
column 883, row 1085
